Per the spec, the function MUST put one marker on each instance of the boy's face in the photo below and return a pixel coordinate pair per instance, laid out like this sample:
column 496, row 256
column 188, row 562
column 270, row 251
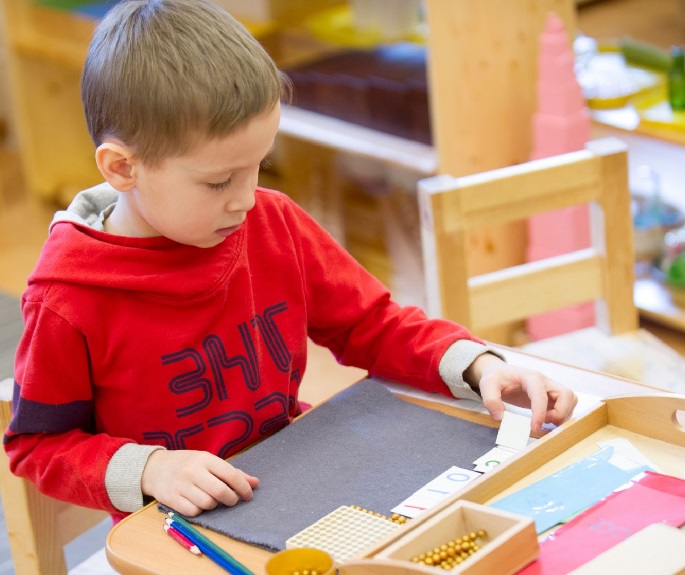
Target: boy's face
column 202, row 197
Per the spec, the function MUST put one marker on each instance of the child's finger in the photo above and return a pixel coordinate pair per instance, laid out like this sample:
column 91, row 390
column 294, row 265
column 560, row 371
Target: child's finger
column 235, row 479
column 183, row 506
column 538, row 409
column 492, row 400
column 211, row 491
column 252, row 480
column 564, row 405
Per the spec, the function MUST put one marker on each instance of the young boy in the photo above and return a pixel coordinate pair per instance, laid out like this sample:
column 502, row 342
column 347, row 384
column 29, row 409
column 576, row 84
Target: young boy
column 168, row 315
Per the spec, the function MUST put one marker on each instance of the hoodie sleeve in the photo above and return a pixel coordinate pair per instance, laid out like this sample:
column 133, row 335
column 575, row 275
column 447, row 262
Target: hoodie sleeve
column 352, row 313
column 51, row 439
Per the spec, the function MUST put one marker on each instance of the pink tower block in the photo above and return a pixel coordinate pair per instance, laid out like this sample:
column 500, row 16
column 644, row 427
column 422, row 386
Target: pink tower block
column 578, row 233
column 554, row 135
column 561, row 124
column 557, row 69
column 561, row 101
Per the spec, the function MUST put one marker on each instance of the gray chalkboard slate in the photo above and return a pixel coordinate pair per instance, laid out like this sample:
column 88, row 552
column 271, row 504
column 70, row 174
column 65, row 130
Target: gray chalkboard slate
column 363, row 447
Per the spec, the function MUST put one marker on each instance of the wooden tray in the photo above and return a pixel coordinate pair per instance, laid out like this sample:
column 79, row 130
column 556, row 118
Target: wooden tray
column 655, row 424
column 509, row 545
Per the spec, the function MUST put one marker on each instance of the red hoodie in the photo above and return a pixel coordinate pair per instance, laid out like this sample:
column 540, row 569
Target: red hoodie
column 147, row 341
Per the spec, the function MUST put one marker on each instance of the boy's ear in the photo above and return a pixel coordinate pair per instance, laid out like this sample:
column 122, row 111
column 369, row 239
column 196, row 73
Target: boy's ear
column 116, row 164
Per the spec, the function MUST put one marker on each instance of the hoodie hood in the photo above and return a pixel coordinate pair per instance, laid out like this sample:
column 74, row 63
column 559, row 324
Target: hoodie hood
column 89, row 208
column 79, row 251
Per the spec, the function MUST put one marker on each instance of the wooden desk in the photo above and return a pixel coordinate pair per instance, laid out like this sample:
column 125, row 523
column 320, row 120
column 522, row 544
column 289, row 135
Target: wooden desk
column 138, row 544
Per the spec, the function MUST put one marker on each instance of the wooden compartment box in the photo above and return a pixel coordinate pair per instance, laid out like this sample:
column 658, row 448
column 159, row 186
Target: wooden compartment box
column 509, row 545
column 654, row 424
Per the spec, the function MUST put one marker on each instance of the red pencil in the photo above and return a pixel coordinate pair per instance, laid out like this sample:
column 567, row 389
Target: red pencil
column 182, row 540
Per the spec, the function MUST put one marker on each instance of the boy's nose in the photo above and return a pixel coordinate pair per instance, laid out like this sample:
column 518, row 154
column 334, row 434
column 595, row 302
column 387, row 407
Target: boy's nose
column 242, row 202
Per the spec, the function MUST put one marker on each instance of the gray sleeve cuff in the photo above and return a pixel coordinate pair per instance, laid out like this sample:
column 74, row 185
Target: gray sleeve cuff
column 456, row 360
column 123, row 475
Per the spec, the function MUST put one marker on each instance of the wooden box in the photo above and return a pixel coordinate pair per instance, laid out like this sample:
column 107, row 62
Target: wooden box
column 654, row 424
column 510, row 543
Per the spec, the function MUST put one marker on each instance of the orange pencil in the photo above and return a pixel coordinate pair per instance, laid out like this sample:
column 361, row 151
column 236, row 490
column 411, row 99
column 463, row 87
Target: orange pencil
column 182, row 540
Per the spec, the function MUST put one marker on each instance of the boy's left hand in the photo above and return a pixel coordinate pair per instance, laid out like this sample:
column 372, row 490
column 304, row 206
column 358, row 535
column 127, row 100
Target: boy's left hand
column 497, row 382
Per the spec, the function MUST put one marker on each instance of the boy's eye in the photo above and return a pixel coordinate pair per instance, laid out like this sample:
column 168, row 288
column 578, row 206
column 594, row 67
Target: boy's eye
column 220, row 185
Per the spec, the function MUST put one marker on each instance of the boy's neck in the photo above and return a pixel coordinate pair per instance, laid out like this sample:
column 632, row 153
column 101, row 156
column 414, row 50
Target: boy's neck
column 120, row 222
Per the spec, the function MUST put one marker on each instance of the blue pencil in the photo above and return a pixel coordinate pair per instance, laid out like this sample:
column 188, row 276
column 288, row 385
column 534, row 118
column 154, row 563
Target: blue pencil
column 208, row 547
column 207, row 550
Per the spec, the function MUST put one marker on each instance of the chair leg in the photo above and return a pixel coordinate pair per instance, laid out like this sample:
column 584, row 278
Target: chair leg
column 31, row 526
column 35, row 541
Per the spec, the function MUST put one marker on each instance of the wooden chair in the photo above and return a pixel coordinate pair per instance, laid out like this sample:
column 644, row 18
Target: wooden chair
column 38, row 526
column 604, row 273
column 451, row 207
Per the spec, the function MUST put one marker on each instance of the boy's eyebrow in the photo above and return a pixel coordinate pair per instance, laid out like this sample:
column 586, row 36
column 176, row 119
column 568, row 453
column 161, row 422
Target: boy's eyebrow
column 227, row 170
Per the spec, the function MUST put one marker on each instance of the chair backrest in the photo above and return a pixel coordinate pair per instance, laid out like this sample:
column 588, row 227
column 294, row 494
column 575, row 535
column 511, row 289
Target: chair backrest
column 452, row 207
column 38, row 526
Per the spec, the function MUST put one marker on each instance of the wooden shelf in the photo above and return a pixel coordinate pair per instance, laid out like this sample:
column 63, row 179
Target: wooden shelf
column 357, row 140
column 654, row 301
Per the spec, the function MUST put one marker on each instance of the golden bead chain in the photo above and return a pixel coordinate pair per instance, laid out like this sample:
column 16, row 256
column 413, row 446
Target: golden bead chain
column 452, row 553
column 395, row 517
column 305, row 572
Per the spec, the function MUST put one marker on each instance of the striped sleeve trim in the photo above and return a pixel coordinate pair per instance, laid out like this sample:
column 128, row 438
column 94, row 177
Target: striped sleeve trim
column 30, row 416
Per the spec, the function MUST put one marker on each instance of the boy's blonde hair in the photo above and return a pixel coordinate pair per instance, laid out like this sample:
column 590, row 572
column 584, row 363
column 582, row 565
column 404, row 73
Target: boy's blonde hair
column 162, row 74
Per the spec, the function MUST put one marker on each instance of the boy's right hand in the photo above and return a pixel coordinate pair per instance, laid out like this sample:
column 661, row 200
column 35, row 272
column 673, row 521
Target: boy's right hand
column 192, row 481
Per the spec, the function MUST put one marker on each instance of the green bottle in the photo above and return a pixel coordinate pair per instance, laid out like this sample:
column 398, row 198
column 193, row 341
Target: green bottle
column 676, row 79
